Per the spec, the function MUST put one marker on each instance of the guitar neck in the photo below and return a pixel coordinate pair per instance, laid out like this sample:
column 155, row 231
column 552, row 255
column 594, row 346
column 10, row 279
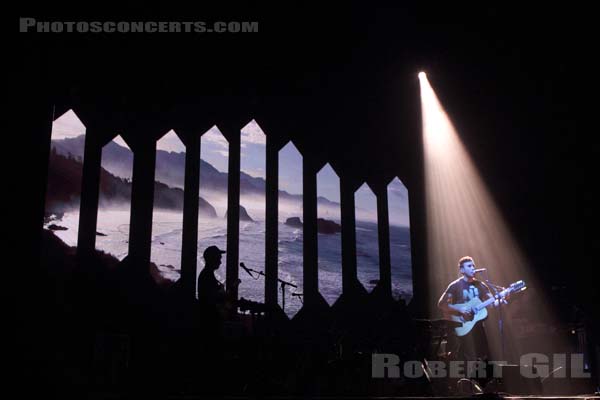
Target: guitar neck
column 490, row 301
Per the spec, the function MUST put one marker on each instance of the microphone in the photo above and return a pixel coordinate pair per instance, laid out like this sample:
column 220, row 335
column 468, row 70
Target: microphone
column 480, row 270
column 246, row 269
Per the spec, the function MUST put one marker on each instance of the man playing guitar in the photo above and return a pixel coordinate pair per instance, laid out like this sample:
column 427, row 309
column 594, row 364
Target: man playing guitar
column 473, row 345
column 211, row 292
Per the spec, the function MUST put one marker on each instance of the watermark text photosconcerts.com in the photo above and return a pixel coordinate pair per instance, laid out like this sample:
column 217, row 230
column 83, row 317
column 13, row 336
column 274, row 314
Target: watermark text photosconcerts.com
column 31, row 25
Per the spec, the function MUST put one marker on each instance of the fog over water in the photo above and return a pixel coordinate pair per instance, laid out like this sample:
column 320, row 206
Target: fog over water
column 114, row 214
column 166, row 251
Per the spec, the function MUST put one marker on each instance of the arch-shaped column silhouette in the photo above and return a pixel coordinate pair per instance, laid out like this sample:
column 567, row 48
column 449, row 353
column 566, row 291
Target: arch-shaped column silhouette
column 310, row 280
column 384, row 286
column 347, row 206
column 142, row 202
column 233, row 214
column 189, row 236
column 88, row 210
column 39, row 125
column 272, row 224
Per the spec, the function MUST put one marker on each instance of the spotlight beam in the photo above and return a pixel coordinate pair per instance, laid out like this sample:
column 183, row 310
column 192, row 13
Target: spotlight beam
column 461, row 215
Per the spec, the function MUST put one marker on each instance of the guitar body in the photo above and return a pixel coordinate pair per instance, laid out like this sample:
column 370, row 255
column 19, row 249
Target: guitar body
column 478, row 308
column 469, row 323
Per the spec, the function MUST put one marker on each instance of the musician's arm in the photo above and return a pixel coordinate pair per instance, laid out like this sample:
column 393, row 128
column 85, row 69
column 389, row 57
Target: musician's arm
column 445, row 304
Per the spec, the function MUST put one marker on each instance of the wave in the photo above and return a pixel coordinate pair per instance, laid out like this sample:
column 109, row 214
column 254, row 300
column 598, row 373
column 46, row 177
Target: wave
column 123, row 228
column 296, row 239
column 115, row 224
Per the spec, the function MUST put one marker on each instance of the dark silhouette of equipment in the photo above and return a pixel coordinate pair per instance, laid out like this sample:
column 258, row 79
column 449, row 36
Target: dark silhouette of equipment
column 300, row 296
column 254, row 307
column 281, row 281
column 246, row 269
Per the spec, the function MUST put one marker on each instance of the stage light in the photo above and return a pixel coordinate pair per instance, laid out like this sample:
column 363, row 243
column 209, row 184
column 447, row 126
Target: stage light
column 462, row 219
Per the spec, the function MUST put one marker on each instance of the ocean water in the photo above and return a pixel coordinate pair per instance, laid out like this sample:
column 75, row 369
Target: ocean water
column 166, row 252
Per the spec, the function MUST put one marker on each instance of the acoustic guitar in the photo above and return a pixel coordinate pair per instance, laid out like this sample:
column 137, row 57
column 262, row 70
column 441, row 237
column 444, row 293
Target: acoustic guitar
column 478, row 309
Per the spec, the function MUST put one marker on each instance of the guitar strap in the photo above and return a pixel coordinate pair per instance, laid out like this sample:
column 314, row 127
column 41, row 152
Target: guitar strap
column 487, row 287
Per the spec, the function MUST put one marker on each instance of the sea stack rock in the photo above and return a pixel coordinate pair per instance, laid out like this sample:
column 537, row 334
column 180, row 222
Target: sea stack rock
column 327, row 227
column 294, row 222
column 243, row 215
column 205, row 209
column 54, row 227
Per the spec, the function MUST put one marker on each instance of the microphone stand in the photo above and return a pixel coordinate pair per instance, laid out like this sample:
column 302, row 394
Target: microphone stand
column 283, row 285
column 497, row 289
column 255, row 271
column 299, row 295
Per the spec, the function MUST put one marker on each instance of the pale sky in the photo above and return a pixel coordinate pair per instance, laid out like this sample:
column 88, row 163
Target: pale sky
column 67, row 126
column 252, row 133
column 253, row 150
column 398, row 203
column 170, row 142
column 119, row 140
column 365, row 203
column 290, row 169
column 328, row 186
column 215, row 150
column 328, row 183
